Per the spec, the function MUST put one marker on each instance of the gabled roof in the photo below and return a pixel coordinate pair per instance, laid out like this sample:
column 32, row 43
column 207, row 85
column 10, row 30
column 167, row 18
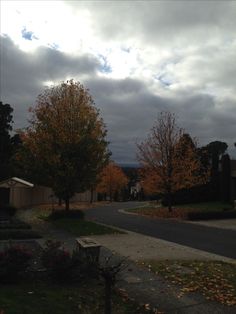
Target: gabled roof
column 15, row 182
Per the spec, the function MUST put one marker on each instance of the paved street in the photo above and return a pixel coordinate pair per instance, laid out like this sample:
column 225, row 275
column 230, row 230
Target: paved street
column 210, row 239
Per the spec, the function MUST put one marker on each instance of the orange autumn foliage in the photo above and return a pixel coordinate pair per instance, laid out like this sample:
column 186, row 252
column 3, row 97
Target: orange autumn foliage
column 169, row 159
column 112, row 180
column 65, row 145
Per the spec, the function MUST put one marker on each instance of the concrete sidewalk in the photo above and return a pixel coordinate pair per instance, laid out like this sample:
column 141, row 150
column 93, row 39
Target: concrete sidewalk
column 147, row 288
column 144, row 286
column 140, row 284
column 138, row 247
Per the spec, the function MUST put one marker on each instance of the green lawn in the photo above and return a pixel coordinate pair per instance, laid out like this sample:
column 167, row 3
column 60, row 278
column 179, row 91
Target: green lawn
column 80, row 227
column 214, row 279
column 76, row 226
column 207, row 206
column 181, row 211
column 46, row 298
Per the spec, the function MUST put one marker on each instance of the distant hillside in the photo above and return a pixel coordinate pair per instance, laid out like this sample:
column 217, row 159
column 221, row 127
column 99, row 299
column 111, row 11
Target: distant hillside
column 128, row 165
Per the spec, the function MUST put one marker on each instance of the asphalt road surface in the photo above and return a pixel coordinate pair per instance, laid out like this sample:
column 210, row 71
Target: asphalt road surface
column 209, row 239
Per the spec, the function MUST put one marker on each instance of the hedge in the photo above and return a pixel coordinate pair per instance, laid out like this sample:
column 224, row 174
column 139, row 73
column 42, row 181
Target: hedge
column 14, row 224
column 9, row 234
column 212, row 215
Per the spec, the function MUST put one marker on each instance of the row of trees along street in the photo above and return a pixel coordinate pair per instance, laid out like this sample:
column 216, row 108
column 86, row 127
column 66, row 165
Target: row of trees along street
column 65, row 147
column 174, row 168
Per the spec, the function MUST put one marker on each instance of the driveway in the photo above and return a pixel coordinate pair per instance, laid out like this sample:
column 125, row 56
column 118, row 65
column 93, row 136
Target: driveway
column 205, row 238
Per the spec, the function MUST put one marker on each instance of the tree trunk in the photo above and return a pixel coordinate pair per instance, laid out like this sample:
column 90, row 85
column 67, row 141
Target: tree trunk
column 67, row 202
column 91, row 195
column 59, row 201
column 107, row 297
column 110, row 194
column 169, row 199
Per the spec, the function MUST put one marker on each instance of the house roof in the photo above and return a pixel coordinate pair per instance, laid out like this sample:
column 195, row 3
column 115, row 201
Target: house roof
column 15, row 182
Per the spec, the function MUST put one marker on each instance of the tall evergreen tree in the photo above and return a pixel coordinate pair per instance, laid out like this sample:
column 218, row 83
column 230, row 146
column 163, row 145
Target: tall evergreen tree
column 5, row 139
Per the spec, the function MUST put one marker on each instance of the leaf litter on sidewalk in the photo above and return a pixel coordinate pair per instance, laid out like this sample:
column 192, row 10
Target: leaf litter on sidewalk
column 215, row 280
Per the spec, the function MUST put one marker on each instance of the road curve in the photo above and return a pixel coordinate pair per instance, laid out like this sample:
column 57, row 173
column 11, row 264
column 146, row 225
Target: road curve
column 209, row 239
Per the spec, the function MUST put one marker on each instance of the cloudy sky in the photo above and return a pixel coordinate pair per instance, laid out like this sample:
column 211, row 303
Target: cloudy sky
column 138, row 58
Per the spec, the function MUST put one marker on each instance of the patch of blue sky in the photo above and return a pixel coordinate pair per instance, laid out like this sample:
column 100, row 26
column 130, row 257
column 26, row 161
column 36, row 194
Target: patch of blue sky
column 28, row 35
column 165, row 80
column 105, row 66
column 54, row 46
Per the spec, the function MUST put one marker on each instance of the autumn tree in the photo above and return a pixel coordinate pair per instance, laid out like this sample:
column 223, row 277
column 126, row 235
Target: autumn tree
column 149, row 182
column 65, row 145
column 112, row 180
column 169, row 158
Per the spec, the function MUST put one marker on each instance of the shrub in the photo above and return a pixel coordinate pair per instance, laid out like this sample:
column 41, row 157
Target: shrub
column 6, row 234
column 59, row 214
column 57, row 261
column 211, row 215
column 10, row 210
column 14, row 224
column 65, row 267
column 87, row 266
column 13, row 261
column 197, row 194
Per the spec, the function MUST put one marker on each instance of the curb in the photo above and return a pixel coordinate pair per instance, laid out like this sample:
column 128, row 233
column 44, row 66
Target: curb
column 205, row 254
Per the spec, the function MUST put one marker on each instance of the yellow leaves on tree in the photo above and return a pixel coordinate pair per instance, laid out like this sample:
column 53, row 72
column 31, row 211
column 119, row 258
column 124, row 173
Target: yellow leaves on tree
column 112, row 180
column 65, row 143
column 169, row 159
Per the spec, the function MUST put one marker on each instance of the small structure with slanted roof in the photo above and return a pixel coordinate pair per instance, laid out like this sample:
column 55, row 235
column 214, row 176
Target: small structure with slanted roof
column 21, row 193
column 15, row 191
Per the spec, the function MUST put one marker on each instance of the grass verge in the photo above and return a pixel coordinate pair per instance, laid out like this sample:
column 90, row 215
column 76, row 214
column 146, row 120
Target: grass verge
column 207, row 206
column 198, row 211
column 83, row 227
column 215, row 280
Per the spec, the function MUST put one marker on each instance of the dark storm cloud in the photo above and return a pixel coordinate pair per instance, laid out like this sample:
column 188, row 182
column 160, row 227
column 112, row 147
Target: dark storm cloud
column 199, row 38
column 131, row 112
column 23, row 74
column 126, row 105
column 157, row 21
column 129, row 106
